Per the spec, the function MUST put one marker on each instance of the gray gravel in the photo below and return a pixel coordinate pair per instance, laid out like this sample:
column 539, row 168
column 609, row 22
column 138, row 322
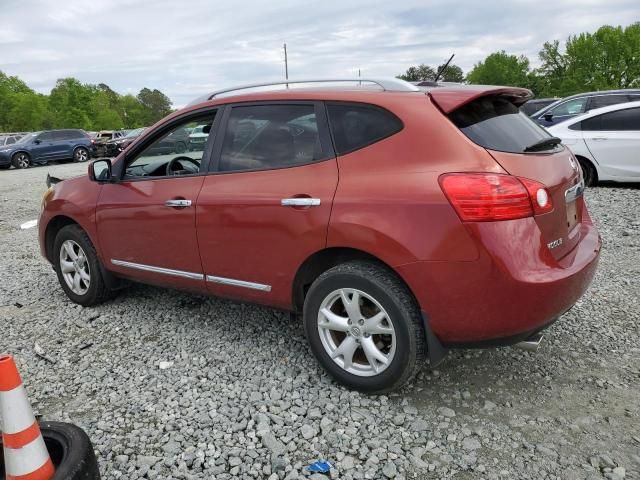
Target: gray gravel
column 244, row 398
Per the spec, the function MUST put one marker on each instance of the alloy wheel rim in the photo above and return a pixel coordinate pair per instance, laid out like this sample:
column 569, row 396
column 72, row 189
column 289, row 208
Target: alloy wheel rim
column 81, row 155
column 356, row 332
column 23, row 161
column 75, row 267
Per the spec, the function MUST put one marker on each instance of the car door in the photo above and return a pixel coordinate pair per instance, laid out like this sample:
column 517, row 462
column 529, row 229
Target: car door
column 42, row 147
column 614, row 140
column 266, row 206
column 146, row 220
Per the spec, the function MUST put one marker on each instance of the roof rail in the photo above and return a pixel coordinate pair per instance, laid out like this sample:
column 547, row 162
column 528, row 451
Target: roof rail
column 387, row 84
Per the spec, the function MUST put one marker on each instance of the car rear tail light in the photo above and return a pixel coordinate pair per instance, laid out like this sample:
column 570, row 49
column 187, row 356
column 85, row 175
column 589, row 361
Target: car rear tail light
column 540, row 197
column 484, row 197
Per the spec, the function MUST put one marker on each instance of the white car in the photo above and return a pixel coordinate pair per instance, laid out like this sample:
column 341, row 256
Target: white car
column 606, row 142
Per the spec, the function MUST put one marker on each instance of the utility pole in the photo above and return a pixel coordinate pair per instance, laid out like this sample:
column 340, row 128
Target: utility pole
column 286, row 65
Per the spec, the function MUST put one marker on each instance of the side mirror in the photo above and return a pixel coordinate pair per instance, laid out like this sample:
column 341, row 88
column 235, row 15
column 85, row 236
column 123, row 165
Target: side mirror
column 548, row 117
column 100, row 171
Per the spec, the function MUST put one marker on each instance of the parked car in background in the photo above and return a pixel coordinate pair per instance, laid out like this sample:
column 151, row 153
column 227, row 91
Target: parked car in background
column 114, row 146
column 42, row 147
column 536, row 104
column 198, row 136
column 606, row 142
column 569, row 107
column 396, row 231
column 101, row 138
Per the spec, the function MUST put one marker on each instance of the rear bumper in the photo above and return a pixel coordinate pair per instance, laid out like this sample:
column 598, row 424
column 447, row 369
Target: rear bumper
column 514, row 289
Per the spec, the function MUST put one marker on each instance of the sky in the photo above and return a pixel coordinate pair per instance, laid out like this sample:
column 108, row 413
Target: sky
column 187, row 48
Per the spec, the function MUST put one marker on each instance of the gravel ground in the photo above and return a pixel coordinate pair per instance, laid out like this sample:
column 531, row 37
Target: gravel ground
column 243, row 397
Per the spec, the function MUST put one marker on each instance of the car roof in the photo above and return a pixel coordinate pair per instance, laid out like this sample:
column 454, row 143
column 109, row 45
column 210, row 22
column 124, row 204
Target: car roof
column 598, row 111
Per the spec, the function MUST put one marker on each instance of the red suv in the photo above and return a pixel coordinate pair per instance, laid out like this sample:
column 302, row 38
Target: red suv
column 399, row 222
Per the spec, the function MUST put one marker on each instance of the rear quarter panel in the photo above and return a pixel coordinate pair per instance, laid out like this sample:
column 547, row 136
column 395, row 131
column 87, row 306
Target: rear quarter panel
column 389, row 202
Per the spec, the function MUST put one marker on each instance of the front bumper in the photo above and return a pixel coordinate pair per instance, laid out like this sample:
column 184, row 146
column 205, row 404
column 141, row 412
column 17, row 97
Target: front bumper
column 515, row 287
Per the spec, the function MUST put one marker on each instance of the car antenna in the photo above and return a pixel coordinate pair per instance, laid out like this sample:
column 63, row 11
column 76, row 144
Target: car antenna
column 444, row 67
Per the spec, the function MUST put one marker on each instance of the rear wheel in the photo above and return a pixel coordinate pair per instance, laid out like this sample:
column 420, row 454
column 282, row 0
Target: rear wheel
column 80, row 154
column 364, row 327
column 588, row 172
column 21, row 160
column 78, row 267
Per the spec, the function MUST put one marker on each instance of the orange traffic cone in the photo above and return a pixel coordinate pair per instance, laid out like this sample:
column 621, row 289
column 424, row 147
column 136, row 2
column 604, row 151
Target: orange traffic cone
column 25, row 453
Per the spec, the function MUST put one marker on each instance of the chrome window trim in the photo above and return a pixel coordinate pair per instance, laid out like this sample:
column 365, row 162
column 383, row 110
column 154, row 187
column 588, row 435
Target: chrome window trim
column 238, row 283
column 165, row 271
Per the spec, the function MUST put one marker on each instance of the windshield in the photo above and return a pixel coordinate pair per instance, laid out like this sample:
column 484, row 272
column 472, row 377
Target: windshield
column 28, row 137
column 497, row 124
column 134, row 133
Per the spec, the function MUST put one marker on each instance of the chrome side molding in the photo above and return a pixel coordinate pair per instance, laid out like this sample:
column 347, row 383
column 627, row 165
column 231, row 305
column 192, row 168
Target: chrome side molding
column 192, row 275
column 165, row 271
column 238, row 283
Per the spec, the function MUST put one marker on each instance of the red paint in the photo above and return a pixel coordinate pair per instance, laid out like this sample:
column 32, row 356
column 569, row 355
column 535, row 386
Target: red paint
column 475, row 280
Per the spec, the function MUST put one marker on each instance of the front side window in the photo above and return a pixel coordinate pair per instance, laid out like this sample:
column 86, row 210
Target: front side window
column 572, row 107
column 171, row 153
column 46, row 136
column 270, row 136
column 357, row 126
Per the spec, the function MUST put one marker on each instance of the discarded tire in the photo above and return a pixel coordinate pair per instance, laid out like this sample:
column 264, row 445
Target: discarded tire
column 71, row 452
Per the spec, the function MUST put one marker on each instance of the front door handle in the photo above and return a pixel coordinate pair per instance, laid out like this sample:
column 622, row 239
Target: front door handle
column 599, row 138
column 300, row 202
column 178, row 203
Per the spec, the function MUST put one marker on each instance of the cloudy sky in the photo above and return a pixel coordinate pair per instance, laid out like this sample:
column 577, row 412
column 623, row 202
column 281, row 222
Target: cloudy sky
column 186, row 48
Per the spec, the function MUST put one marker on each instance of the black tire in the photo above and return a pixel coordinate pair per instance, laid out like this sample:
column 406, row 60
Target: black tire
column 21, row 160
column 588, row 172
column 70, row 450
column 403, row 312
column 97, row 291
column 181, row 147
column 80, row 155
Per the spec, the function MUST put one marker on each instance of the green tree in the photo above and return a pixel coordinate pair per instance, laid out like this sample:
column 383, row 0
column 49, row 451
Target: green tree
column 155, row 103
column 453, row 73
column 133, row 112
column 417, row 74
column 30, row 111
column 500, row 68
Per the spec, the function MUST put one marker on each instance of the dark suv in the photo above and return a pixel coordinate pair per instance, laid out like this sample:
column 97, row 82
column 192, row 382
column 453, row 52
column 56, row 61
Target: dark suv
column 569, row 107
column 42, row 147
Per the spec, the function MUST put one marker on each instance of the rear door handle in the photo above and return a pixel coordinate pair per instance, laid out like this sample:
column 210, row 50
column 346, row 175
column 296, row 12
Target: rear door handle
column 178, row 203
column 300, row 202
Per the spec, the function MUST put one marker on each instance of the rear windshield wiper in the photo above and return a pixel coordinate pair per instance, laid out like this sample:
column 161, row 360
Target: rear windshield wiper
column 544, row 144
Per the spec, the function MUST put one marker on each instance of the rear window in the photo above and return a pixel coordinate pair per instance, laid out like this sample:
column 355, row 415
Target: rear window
column 497, row 124
column 356, row 126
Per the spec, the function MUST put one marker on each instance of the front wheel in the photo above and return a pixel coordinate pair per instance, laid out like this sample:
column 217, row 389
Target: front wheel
column 81, row 155
column 78, row 267
column 21, row 160
column 364, row 327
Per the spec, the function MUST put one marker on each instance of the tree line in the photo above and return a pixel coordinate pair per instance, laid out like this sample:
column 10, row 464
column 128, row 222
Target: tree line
column 604, row 60
column 72, row 104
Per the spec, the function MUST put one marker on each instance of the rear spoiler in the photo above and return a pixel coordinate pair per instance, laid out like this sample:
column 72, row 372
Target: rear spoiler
column 449, row 99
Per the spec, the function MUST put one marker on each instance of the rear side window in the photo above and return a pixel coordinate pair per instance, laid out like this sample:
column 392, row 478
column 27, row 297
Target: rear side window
column 356, row 126
column 495, row 123
column 621, row 120
column 570, row 107
column 600, row 101
column 270, row 136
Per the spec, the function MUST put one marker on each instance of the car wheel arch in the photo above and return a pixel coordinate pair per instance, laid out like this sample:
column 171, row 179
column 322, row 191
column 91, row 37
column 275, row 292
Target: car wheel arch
column 53, row 227
column 321, row 261
column 590, row 163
